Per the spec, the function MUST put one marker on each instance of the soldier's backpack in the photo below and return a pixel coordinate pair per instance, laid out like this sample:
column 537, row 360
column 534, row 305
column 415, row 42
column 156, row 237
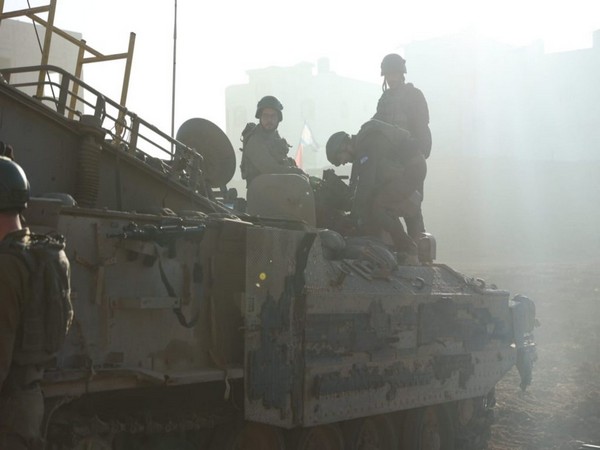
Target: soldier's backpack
column 399, row 137
column 47, row 315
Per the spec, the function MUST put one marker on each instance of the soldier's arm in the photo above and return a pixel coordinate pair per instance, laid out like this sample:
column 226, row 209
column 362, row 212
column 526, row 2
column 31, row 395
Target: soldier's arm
column 11, row 292
column 419, row 122
column 380, row 114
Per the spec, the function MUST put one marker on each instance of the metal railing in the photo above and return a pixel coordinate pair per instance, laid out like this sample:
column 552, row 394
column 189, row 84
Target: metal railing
column 84, row 48
column 72, row 97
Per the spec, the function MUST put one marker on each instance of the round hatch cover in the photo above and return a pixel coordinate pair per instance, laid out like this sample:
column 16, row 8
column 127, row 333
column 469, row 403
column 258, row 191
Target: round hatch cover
column 214, row 146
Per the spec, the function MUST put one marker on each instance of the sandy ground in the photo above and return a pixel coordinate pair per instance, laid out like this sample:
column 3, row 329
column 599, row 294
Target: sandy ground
column 561, row 409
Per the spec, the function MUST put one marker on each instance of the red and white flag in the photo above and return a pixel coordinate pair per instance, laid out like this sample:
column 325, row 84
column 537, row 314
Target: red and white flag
column 306, row 139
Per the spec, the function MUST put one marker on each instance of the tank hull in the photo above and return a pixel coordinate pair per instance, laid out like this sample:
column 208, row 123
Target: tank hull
column 197, row 326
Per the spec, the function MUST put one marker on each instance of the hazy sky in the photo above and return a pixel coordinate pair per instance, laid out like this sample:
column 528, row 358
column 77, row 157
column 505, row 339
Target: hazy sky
column 218, row 41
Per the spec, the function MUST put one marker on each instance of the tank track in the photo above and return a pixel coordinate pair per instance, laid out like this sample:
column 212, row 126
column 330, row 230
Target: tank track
column 85, row 423
column 129, row 420
column 133, row 430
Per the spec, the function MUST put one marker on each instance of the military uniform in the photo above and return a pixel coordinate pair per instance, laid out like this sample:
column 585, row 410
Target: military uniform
column 264, row 153
column 21, row 400
column 406, row 107
column 388, row 168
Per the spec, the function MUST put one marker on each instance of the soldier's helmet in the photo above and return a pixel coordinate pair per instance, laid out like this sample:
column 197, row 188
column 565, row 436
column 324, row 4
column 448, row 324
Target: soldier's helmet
column 334, row 145
column 393, row 63
column 14, row 187
column 269, row 101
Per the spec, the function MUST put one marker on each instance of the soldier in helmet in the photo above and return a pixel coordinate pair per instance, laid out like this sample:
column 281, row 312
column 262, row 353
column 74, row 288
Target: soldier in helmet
column 22, row 357
column 264, row 151
column 404, row 105
column 387, row 170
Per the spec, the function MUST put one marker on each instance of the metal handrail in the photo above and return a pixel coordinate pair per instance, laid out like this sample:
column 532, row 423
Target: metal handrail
column 125, row 127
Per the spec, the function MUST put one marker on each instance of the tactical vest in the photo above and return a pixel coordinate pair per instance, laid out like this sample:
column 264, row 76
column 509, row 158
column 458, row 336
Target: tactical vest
column 394, row 106
column 406, row 107
column 47, row 314
column 276, row 146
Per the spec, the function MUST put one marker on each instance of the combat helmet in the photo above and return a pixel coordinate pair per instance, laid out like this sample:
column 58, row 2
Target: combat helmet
column 269, row 101
column 393, row 63
column 334, row 144
column 14, row 187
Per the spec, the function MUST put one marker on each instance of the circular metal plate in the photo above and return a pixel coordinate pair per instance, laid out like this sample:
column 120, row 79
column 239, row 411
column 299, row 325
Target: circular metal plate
column 214, row 146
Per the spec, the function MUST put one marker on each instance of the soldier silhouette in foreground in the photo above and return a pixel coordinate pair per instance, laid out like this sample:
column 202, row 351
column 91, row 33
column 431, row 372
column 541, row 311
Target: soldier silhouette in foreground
column 35, row 312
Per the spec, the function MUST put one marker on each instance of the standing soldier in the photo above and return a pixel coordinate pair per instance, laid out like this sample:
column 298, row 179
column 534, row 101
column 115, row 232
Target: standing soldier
column 387, row 170
column 404, row 105
column 35, row 313
column 264, row 151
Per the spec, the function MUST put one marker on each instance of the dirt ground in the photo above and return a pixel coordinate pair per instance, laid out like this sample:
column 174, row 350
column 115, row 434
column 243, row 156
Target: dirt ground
column 561, row 409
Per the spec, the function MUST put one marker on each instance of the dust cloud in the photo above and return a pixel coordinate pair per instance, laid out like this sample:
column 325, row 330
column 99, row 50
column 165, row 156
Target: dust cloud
column 561, row 409
column 532, row 227
column 513, row 211
column 512, row 196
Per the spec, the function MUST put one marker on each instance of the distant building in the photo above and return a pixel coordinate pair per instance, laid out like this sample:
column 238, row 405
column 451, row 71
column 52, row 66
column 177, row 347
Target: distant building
column 21, row 46
column 489, row 99
column 325, row 101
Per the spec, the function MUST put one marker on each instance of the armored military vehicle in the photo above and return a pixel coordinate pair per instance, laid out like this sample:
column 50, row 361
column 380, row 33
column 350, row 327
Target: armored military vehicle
column 198, row 326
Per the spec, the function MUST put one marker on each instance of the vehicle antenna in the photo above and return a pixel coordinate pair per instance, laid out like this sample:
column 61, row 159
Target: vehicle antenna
column 174, row 75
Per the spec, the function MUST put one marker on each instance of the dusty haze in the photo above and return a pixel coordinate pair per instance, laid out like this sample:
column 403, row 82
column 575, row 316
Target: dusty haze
column 513, row 211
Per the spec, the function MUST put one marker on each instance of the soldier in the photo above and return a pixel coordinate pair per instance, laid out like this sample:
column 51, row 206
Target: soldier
column 264, row 151
column 35, row 312
column 387, row 170
column 404, row 105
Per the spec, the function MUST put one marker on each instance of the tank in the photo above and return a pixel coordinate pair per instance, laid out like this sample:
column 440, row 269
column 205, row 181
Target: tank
column 201, row 324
